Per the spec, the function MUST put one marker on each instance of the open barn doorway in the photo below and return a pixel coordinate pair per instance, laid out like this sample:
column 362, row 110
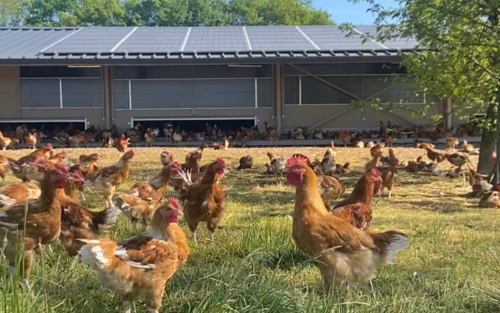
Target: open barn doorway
column 48, row 128
column 196, row 125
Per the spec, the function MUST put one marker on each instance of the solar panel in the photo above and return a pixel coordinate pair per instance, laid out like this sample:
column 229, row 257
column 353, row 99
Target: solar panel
column 28, row 42
column 154, row 40
column 216, row 39
column 277, row 38
column 332, row 38
column 91, row 39
column 397, row 43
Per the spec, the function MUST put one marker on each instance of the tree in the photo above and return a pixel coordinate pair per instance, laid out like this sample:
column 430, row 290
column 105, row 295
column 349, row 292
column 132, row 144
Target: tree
column 100, row 13
column 13, row 12
column 461, row 60
column 276, row 12
column 52, row 13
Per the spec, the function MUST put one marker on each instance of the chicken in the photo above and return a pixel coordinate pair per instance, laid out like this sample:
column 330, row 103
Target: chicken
column 30, row 141
column 345, row 137
column 21, row 167
column 435, row 156
column 139, row 202
column 341, row 252
column 110, row 177
column 77, row 221
column 192, row 162
column 166, row 158
column 456, row 159
column 388, row 175
column 204, row 202
column 276, row 165
column 389, row 140
column 330, row 188
column 4, row 141
column 377, row 149
column 342, row 169
column 177, row 136
column 425, row 145
column 452, row 142
column 373, row 163
column 122, row 144
column 59, row 158
column 40, row 224
column 328, row 165
column 356, row 209
column 391, row 160
column 18, row 193
column 142, row 265
column 490, row 200
column 242, row 137
column 4, row 168
column 168, row 130
column 246, row 162
column 370, row 144
column 360, row 144
column 224, row 146
column 467, row 147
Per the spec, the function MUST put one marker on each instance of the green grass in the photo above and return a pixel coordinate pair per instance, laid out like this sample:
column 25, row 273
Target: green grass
column 254, row 266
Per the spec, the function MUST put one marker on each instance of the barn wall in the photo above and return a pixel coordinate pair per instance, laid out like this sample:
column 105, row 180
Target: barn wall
column 9, row 92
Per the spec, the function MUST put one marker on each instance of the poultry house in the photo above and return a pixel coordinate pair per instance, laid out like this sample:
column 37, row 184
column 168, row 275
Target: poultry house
column 39, row 224
column 203, row 202
column 341, row 252
column 142, row 265
column 246, row 162
column 330, row 188
column 4, row 141
column 110, row 177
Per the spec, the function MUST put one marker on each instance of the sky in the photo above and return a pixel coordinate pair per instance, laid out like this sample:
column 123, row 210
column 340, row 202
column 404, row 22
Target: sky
column 343, row 11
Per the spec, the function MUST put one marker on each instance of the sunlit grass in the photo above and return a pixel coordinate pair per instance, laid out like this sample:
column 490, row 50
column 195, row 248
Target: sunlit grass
column 452, row 264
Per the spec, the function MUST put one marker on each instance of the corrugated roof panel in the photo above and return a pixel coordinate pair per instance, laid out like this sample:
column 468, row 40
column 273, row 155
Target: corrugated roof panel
column 91, row 39
column 27, row 42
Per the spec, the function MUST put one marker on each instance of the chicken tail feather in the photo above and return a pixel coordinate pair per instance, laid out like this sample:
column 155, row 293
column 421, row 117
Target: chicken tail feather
column 94, row 253
column 388, row 244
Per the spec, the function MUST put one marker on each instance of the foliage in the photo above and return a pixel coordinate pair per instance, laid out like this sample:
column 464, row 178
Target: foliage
column 160, row 13
column 461, row 40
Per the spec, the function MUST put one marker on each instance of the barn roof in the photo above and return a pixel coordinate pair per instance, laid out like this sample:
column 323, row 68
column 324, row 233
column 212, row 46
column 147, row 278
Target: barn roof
column 143, row 45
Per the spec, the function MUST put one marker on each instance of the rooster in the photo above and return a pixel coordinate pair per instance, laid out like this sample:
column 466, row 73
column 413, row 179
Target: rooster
column 203, row 202
column 356, row 209
column 341, row 252
column 4, row 168
column 40, row 224
column 109, row 178
column 142, row 265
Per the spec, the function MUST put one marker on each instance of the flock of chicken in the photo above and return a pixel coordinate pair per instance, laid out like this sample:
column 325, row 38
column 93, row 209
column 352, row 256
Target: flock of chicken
column 339, row 238
column 68, row 136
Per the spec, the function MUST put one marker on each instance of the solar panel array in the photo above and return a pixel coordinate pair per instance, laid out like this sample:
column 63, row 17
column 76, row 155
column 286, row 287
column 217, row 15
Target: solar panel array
column 28, row 42
column 157, row 39
column 216, row 39
column 398, row 43
column 336, row 38
column 92, row 40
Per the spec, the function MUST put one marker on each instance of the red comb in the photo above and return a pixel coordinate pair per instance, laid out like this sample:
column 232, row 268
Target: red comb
column 220, row 160
column 176, row 164
column 173, row 203
column 61, row 168
column 49, row 146
column 294, row 161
